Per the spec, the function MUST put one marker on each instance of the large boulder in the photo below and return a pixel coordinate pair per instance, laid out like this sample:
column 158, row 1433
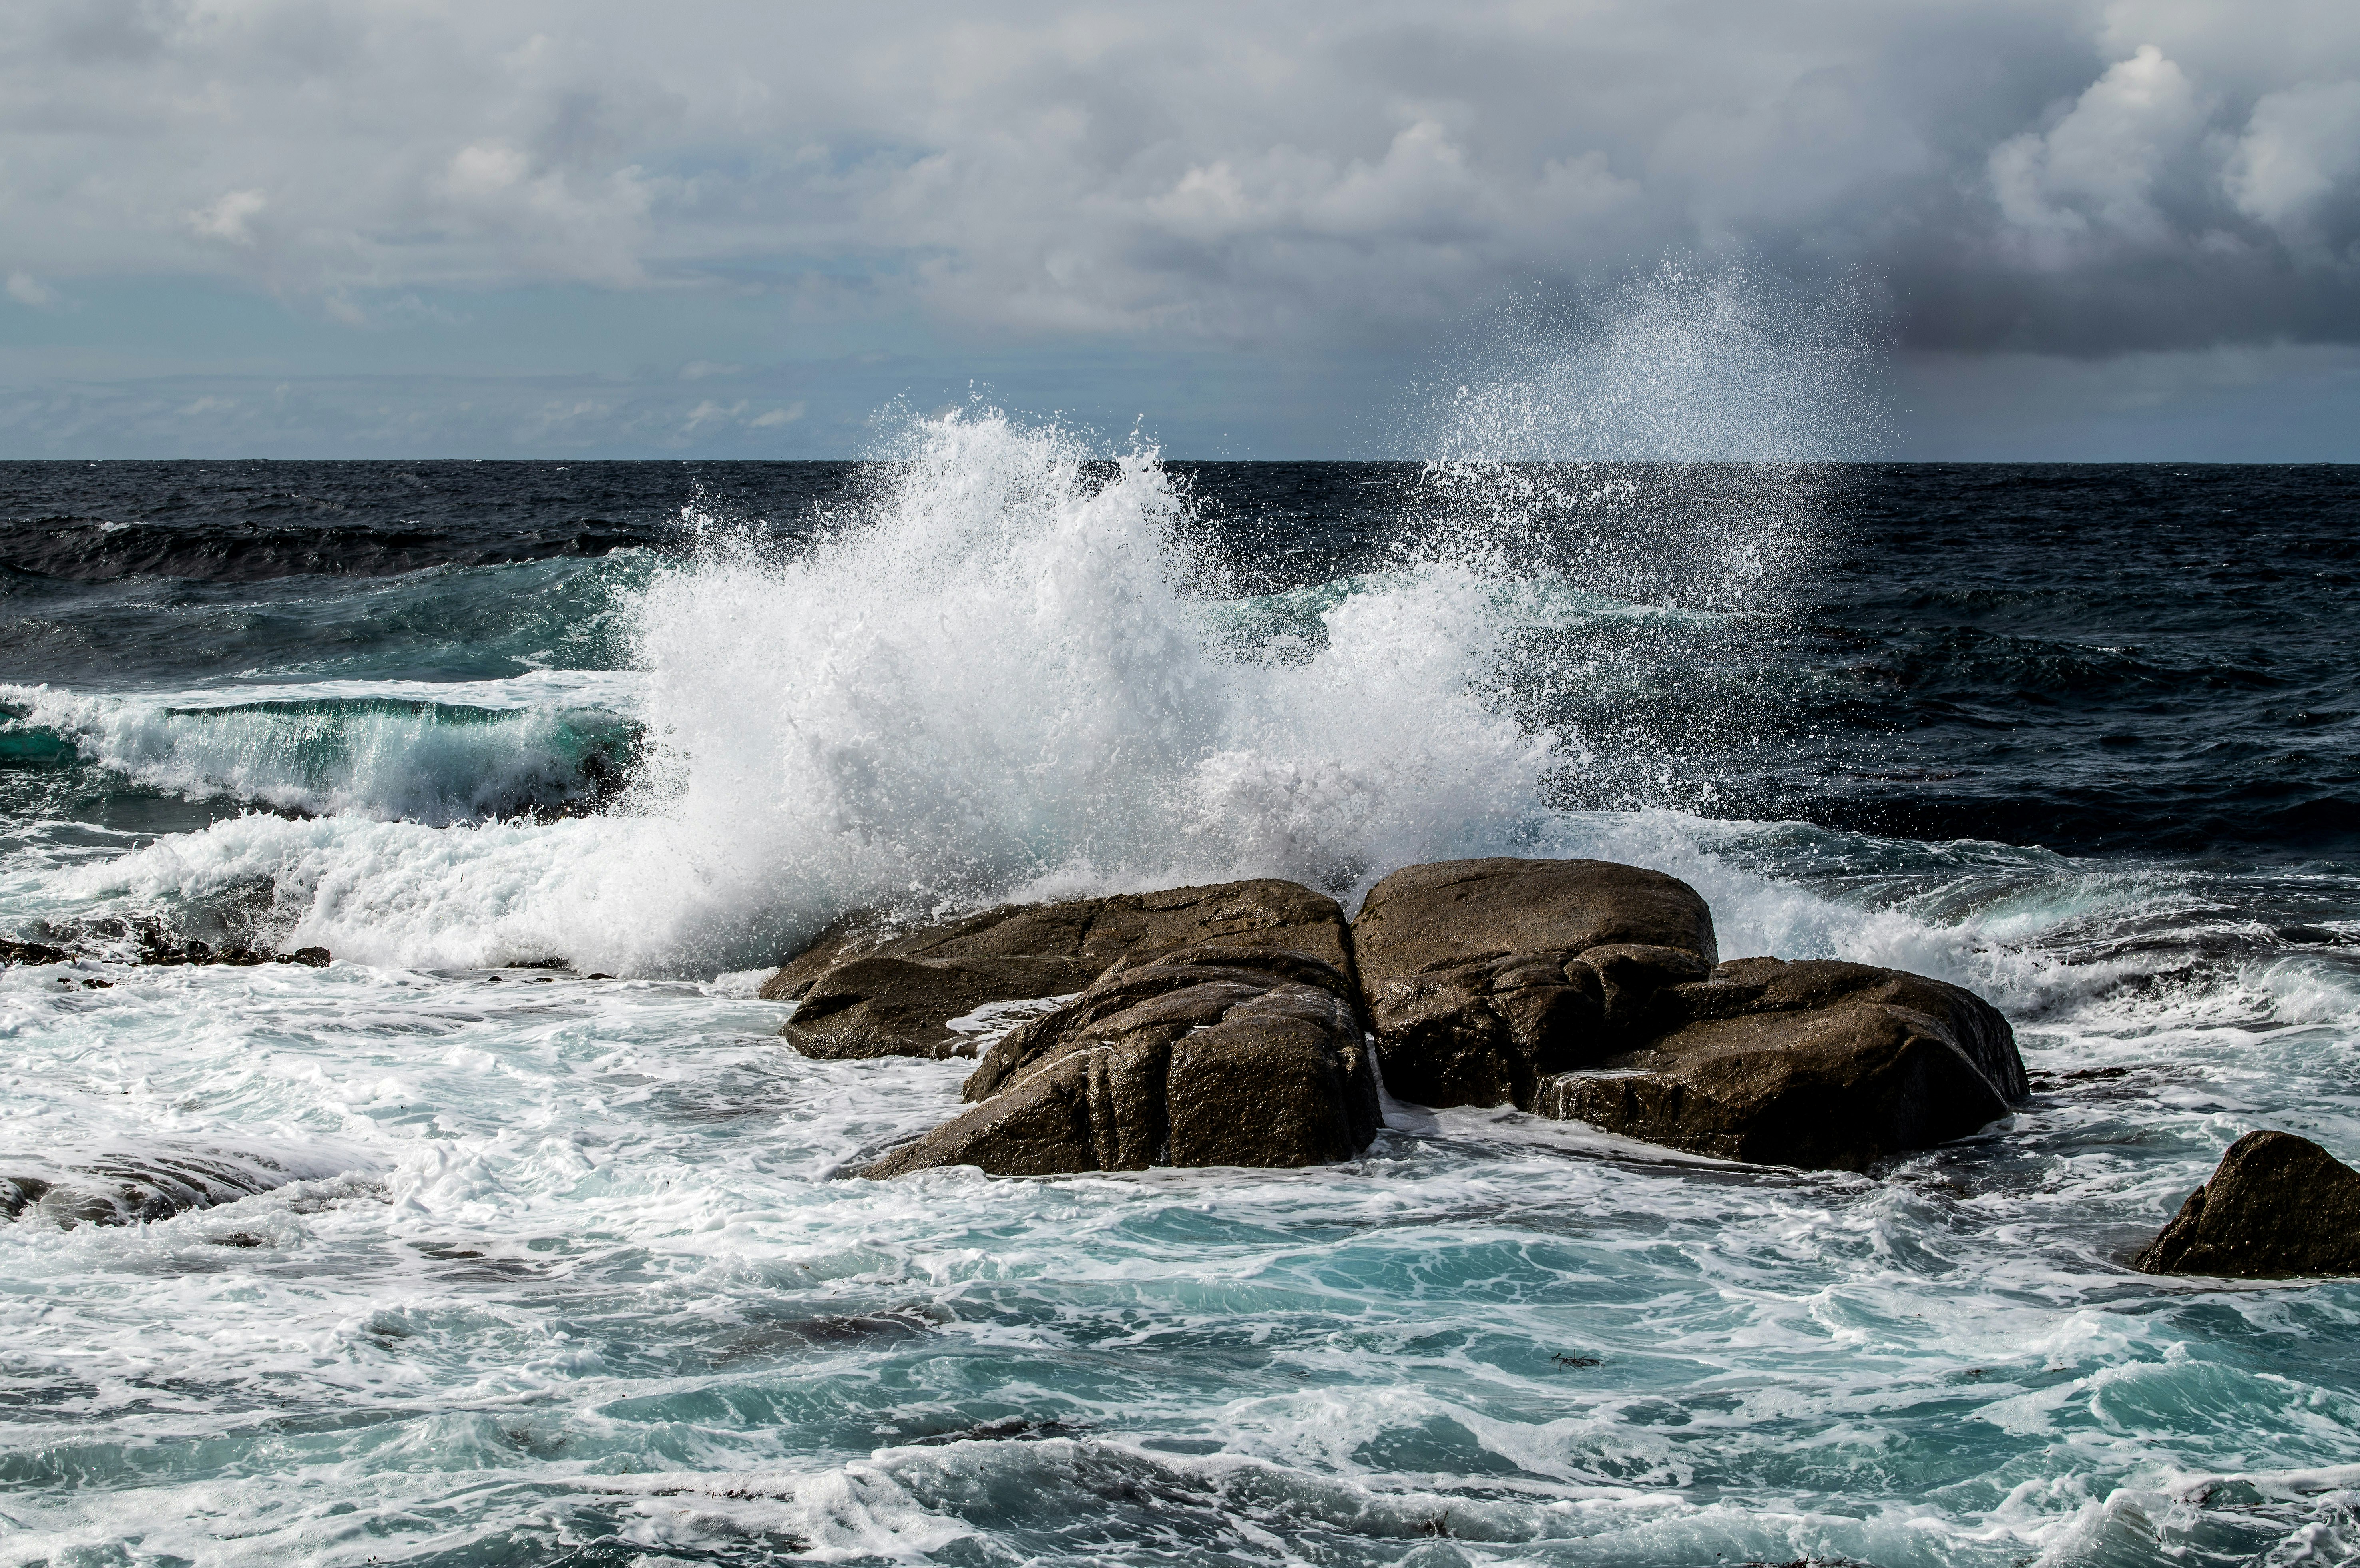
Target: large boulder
column 2278, row 1205
column 865, row 988
column 1485, row 978
column 1206, row 1054
column 1815, row 1063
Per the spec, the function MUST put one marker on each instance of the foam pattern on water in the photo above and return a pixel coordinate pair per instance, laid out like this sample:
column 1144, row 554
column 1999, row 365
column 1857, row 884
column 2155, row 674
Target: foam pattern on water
column 588, row 1283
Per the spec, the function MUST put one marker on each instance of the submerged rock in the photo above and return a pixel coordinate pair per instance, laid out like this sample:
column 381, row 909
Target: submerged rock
column 1483, row 978
column 2278, row 1205
column 1206, row 1054
column 867, row 988
column 1814, row 1063
column 174, row 955
column 134, row 1188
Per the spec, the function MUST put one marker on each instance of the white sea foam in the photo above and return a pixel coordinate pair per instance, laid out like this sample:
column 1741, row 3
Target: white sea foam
column 996, row 685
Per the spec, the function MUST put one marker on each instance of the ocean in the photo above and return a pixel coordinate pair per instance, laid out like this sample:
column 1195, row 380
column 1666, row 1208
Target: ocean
column 517, row 1236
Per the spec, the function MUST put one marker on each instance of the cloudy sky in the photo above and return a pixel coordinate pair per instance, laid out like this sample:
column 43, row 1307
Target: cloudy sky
column 510, row 228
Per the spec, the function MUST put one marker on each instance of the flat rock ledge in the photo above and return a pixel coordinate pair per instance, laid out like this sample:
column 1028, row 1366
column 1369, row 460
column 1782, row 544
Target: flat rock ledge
column 867, row 988
column 2276, row 1207
column 1236, row 1025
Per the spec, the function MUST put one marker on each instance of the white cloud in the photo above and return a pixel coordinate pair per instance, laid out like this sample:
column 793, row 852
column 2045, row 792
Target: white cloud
column 2299, row 149
column 229, row 216
column 2094, row 173
column 1227, row 171
column 28, row 290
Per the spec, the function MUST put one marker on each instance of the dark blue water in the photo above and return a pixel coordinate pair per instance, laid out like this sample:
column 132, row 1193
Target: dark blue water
column 2092, row 658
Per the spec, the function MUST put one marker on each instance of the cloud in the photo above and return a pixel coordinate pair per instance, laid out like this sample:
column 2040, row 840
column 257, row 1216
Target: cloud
column 2093, row 176
column 2028, row 175
column 229, row 217
column 28, row 290
column 2300, row 151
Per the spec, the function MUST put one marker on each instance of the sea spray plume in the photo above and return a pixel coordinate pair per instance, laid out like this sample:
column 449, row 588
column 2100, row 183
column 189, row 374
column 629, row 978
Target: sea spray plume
column 1674, row 436
column 1676, row 440
column 997, row 682
column 988, row 680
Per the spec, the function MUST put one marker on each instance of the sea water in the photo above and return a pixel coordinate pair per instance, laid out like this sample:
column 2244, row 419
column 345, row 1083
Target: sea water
column 517, row 1236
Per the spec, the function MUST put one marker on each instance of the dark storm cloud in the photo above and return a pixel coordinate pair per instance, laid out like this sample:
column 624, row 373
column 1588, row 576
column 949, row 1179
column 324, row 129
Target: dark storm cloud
column 2050, row 178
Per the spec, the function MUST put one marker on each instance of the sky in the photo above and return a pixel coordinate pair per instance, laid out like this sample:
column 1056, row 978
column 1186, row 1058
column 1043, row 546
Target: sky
column 1969, row 231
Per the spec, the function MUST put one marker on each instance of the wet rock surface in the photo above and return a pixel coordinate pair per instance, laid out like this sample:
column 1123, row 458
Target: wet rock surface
column 128, row 1189
column 1206, row 1054
column 884, row 1006
column 32, row 953
column 1815, row 1063
column 1580, row 990
column 2277, row 1206
column 157, row 949
column 1483, row 978
column 203, row 953
column 867, row 988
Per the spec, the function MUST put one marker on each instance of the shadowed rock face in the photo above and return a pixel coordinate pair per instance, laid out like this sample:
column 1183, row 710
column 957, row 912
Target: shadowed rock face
column 882, row 1005
column 2278, row 1205
column 1816, row 1063
column 1483, row 978
column 1208, row 1054
column 867, row 990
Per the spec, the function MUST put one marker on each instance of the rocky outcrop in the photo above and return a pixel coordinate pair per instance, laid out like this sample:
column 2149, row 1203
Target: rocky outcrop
column 1208, row 1055
column 1589, row 992
column 1575, row 989
column 1485, row 978
column 1815, row 1063
column 2277, row 1206
column 133, row 1189
column 865, row 988
column 155, row 950
column 241, row 958
column 31, row 954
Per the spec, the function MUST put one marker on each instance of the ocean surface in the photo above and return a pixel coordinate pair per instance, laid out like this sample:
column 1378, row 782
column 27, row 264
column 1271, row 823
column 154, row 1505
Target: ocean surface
column 515, row 1236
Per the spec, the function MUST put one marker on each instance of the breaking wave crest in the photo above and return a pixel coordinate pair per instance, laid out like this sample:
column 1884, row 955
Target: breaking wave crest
column 389, row 757
column 997, row 682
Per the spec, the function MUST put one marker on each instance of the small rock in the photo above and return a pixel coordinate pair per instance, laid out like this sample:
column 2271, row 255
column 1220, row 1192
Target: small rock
column 2277, row 1206
column 31, row 953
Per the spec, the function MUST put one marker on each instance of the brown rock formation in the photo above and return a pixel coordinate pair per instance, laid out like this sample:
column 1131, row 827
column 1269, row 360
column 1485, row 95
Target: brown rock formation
column 2277, row 1205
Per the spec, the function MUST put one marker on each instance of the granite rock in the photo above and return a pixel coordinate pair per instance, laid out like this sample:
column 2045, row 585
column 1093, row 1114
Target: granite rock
column 2275, row 1206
